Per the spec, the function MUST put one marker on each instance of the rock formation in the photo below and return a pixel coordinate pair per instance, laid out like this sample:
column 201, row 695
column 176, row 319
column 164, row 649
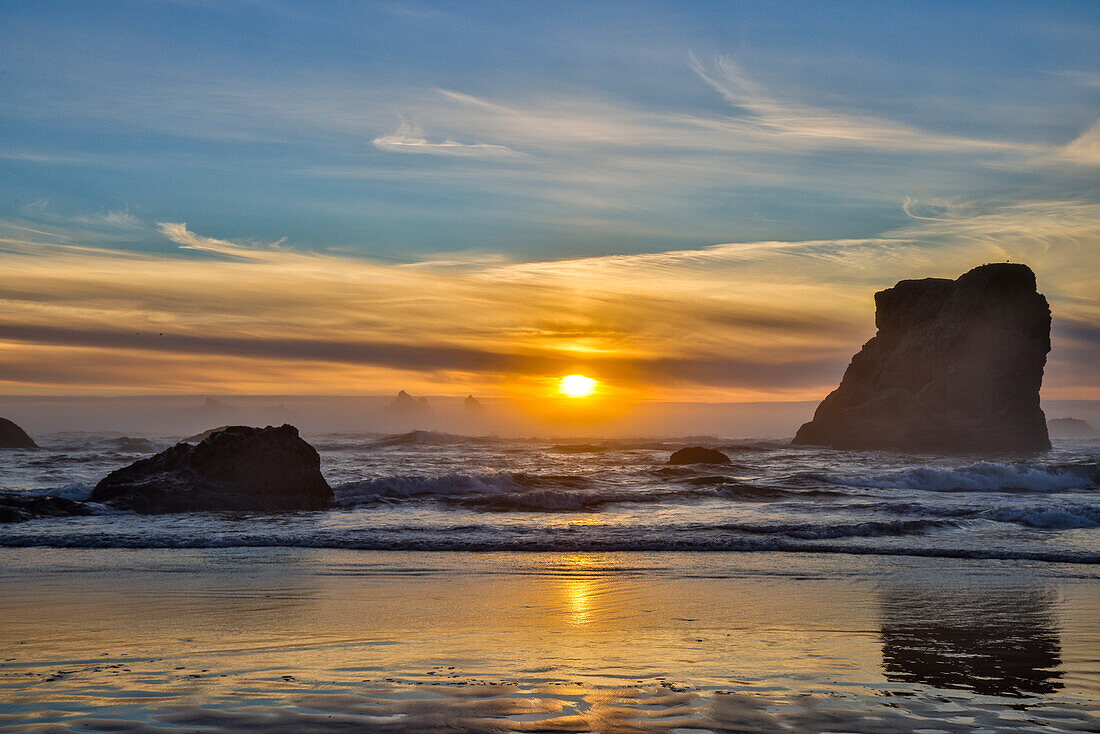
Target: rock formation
column 19, row 508
column 406, row 407
column 14, row 437
column 237, row 468
column 1071, row 428
column 203, row 435
column 698, row 455
column 956, row 365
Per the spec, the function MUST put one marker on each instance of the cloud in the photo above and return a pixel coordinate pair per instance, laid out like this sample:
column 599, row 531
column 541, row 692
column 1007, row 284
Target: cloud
column 1084, row 150
column 187, row 240
column 751, row 320
column 410, row 139
column 804, row 125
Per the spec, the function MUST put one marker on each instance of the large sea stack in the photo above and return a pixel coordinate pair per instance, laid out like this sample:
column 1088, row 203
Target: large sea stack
column 956, row 365
column 14, row 437
column 237, row 468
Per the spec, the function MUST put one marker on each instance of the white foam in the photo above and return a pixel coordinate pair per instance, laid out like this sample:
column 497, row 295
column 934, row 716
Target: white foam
column 981, row 476
column 1064, row 517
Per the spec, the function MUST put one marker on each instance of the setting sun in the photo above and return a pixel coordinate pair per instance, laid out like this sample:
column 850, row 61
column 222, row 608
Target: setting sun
column 577, row 386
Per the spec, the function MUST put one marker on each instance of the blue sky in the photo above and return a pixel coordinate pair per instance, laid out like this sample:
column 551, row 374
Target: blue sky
column 478, row 134
column 256, row 120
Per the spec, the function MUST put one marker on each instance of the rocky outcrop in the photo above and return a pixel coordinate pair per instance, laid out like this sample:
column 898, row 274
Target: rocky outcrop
column 203, row 435
column 956, row 365
column 1071, row 428
column 698, row 455
column 406, row 409
column 14, row 437
column 237, row 468
column 19, row 508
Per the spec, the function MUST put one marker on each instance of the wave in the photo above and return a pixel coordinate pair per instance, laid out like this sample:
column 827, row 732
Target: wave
column 517, row 491
column 1065, row 517
column 982, row 476
column 433, row 540
column 401, row 487
column 431, row 438
column 864, row 529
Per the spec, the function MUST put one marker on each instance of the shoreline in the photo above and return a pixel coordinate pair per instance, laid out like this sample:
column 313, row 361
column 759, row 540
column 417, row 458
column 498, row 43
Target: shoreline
column 408, row 641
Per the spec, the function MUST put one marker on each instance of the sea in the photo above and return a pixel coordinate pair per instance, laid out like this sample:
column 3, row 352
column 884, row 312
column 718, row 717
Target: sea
column 427, row 491
column 481, row 584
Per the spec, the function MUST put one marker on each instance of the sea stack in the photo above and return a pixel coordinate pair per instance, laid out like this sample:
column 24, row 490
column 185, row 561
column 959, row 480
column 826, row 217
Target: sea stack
column 956, row 366
column 237, row 468
column 14, row 437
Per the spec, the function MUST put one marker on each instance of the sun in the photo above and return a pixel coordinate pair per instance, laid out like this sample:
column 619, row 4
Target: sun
column 577, row 386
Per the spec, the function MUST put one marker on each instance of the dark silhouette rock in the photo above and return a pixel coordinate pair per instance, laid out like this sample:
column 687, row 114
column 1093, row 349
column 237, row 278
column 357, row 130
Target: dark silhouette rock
column 203, row 435
column 698, row 455
column 406, row 405
column 1071, row 428
column 956, row 365
column 237, row 468
column 473, row 406
column 19, row 508
column 14, row 437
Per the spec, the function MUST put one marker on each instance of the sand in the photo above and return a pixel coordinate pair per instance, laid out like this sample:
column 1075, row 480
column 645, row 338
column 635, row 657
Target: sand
column 298, row 639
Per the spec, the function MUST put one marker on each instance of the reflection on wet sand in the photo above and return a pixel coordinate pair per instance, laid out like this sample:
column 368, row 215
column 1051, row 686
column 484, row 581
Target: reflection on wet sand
column 277, row 640
column 992, row 641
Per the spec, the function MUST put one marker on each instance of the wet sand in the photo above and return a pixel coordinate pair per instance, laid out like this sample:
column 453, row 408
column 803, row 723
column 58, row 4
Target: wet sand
column 298, row 639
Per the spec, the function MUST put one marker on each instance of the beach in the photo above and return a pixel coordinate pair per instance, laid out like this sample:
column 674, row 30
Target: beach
column 282, row 639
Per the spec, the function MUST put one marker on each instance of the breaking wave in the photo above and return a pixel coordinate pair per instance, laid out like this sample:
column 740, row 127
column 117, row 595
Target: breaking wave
column 514, row 491
column 983, row 476
column 1065, row 517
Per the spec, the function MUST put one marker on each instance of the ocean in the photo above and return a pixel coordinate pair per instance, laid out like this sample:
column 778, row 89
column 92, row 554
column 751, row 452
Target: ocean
column 494, row 585
column 441, row 492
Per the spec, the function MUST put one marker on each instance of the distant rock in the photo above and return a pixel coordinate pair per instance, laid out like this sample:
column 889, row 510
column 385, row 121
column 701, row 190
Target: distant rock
column 204, row 434
column 236, row 468
column 14, row 437
column 473, row 406
column 131, row 445
column 698, row 455
column 956, row 365
column 406, row 405
column 1071, row 428
column 19, row 508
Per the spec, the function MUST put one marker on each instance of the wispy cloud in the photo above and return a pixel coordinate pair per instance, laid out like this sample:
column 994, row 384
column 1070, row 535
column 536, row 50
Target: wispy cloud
column 187, row 240
column 752, row 320
column 799, row 124
column 410, row 139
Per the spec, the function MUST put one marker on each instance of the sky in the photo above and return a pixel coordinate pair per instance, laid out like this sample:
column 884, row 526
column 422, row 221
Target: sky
column 686, row 201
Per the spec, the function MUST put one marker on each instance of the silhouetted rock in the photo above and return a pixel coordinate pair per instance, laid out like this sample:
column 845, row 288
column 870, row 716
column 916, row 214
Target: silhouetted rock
column 204, row 434
column 1071, row 428
column 236, row 468
column 472, row 405
column 14, row 437
column 131, row 445
column 956, row 365
column 698, row 455
column 18, row 508
column 405, row 404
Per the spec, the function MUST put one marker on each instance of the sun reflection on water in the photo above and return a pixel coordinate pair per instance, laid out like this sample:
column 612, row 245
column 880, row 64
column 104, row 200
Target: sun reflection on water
column 578, row 587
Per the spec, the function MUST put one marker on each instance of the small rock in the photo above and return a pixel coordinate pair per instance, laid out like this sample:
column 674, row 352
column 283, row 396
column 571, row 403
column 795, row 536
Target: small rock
column 698, row 455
